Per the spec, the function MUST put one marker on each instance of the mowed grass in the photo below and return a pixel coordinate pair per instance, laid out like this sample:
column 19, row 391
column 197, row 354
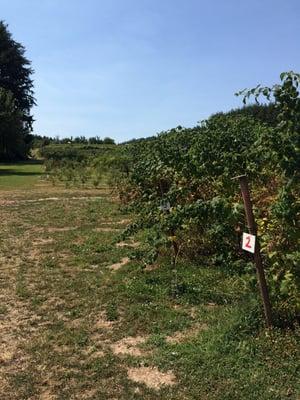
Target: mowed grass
column 74, row 328
column 23, row 175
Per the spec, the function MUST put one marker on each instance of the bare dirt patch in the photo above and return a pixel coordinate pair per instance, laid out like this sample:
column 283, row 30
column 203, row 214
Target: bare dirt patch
column 89, row 394
column 151, row 377
column 117, row 266
column 99, row 327
column 47, row 395
column 111, row 222
column 98, row 338
column 96, row 354
column 124, row 221
column 7, row 202
column 128, row 244
column 76, row 323
column 102, row 322
column 104, row 229
column 129, row 346
column 93, row 353
column 61, row 229
column 187, row 334
column 42, row 242
column 61, row 349
column 151, row 267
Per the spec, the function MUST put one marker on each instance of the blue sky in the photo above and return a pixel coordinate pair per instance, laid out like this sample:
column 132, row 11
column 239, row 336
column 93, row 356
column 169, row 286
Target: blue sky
column 132, row 68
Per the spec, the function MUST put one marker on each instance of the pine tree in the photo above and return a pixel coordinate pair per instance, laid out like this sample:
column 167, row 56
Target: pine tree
column 16, row 97
column 12, row 144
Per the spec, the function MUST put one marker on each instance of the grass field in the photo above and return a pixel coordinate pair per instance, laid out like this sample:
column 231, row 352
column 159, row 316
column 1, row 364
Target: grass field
column 81, row 318
column 21, row 175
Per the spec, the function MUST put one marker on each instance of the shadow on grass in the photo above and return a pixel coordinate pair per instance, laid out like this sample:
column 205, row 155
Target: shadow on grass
column 15, row 168
column 22, row 162
column 8, row 172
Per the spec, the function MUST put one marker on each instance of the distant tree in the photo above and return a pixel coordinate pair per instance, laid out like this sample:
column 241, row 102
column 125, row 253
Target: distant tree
column 95, row 140
column 66, row 140
column 40, row 141
column 108, row 140
column 80, row 140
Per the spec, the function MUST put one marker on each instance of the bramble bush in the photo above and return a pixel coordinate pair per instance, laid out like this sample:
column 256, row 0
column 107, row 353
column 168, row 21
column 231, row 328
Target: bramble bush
column 280, row 230
column 180, row 185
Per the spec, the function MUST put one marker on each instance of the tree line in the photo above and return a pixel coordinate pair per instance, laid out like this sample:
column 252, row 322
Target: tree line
column 40, row 141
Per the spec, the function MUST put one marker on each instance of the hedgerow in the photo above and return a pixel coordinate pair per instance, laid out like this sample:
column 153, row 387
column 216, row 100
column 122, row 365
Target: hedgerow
column 182, row 190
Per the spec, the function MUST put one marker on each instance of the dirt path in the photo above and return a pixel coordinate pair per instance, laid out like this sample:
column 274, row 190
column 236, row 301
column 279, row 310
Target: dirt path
column 7, row 202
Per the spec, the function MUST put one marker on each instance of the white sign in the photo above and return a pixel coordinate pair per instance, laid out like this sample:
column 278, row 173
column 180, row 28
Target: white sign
column 165, row 206
column 248, row 242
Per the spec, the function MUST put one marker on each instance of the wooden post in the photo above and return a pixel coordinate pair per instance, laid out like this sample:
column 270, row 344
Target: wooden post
column 257, row 256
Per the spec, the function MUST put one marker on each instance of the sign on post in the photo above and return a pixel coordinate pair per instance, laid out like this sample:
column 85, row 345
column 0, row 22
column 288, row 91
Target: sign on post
column 248, row 243
column 165, row 206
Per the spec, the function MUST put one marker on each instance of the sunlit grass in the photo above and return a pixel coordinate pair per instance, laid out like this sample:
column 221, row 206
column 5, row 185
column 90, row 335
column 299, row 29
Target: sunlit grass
column 20, row 176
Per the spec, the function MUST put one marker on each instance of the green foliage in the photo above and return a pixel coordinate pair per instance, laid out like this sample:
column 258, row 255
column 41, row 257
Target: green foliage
column 12, row 144
column 281, row 230
column 16, row 98
column 265, row 113
column 181, row 187
column 74, row 152
column 15, row 73
column 41, row 141
column 84, row 165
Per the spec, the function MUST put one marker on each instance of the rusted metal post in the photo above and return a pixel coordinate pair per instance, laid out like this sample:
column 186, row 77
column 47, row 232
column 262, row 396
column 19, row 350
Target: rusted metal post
column 257, row 257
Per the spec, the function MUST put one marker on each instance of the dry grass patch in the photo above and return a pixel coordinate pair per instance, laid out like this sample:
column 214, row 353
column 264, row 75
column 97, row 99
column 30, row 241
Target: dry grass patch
column 98, row 338
column 47, row 395
column 151, row 377
column 89, row 394
column 130, row 244
column 102, row 322
column 104, row 229
column 99, row 325
column 61, row 349
column 121, row 222
column 151, row 267
column 42, row 242
column 117, row 266
column 124, row 221
column 61, row 229
column 129, row 346
column 92, row 353
column 16, row 324
column 187, row 334
column 53, row 303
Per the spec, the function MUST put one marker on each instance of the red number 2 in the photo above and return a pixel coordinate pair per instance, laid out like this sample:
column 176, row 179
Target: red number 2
column 248, row 238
